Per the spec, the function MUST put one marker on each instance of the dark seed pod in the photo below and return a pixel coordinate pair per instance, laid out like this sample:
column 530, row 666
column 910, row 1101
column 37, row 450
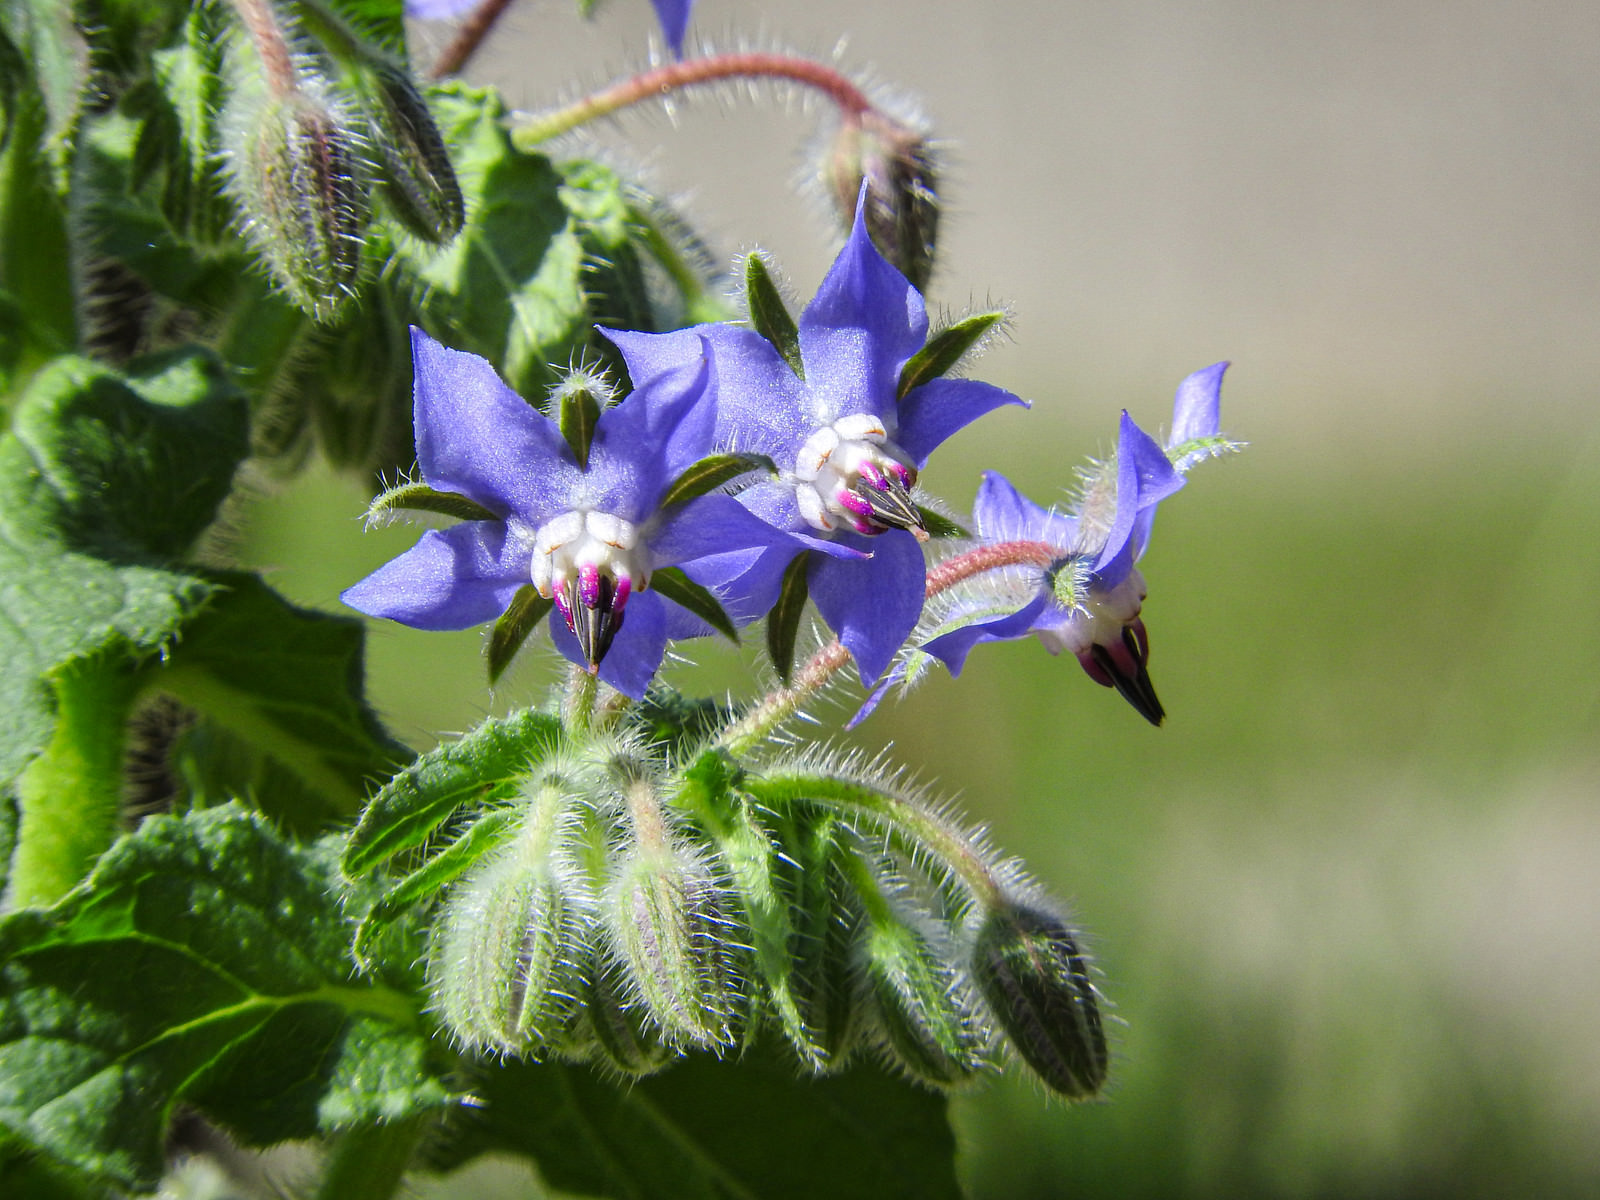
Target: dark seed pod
column 1029, row 968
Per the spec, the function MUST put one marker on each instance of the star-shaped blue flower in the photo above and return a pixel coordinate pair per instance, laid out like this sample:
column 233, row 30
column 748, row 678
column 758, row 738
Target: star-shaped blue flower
column 1099, row 544
column 588, row 538
column 848, row 447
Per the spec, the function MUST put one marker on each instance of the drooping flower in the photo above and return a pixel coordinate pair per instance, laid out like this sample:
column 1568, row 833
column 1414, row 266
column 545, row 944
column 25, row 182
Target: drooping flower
column 1087, row 600
column 849, row 446
column 587, row 537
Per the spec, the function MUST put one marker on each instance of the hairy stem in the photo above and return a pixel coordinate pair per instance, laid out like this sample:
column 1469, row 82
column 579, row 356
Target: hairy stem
column 369, row 1161
column 529, row 131
column 71, row 795
column 468, row 38
column 272, row 46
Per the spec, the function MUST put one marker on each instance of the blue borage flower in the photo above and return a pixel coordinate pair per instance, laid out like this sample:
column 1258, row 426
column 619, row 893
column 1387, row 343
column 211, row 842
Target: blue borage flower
column 587, row 537
column 1072, row 579
column 673, row 15
column 848, row 448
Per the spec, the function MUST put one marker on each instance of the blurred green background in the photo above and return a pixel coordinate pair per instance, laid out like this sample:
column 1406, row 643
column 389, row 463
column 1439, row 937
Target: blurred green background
column 1347, row 901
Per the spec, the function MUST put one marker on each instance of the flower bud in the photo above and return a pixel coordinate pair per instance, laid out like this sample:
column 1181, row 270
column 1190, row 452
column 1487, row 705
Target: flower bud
column 668, row 926
column 1028, row 966
column 902, row 180
column 297, row 176
column 826, row 923
column 410, row 154
column 506, row 963
column 620, row 1033
column 925, row 1017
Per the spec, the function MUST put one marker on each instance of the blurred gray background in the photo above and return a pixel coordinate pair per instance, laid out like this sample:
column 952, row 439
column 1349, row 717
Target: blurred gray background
column 1347, row 900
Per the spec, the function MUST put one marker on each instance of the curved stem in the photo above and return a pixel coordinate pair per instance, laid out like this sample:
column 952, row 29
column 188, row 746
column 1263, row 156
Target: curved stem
column 468, row 38
column 529, row 131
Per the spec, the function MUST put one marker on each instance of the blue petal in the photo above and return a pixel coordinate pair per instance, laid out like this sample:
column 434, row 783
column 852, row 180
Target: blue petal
column 636, row 652
column 710, row 525
column 477, row 437
column 451, row 579
column 872, row 604
column 762, row 407
column 648, row 355
column 1144, row 478
column 863, row 324
column 952, row 648
column 1196, row 411
column 641, row 444
column 931, row 413
column 438, row 10
column 674, row 18
column 1000, row 513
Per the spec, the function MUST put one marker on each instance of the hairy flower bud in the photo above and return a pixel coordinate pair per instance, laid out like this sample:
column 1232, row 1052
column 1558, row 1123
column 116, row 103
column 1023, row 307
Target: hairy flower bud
column 296, row 173
column 826, row 923
column 668, row 926
column 506, row 963
column 1029, row 967
column 924, row 1015
column 902, row 204
column 410, row 154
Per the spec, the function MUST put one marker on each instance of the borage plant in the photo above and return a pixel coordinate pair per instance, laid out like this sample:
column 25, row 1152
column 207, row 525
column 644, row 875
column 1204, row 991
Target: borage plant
column 658, row 946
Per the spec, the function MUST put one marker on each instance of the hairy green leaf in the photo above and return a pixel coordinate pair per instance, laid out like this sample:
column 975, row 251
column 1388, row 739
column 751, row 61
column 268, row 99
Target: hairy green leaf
column 945, row 349
column 104, row 479
column 712, row 1130
column 770, row 315
column 713, row 472
column 578, row 416
column 482, row 766
column 547, row 252
column 419, row 497
column 203, row 963
column 674, row 585
column 783, row 622
column 521, row 618
column 288, row 681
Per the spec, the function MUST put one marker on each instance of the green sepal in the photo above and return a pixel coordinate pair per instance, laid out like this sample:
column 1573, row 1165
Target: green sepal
column 945, row 349
column 1186, row 454
column 769, row 315
column 713, row 472
column 580, row 413
column 672, row 584
column 783, row 622
column 203, row 964
column 412, row 161
column 521, row 617
column 482, row 837
column 483, row 766
column 419, row 497
column 938, row 525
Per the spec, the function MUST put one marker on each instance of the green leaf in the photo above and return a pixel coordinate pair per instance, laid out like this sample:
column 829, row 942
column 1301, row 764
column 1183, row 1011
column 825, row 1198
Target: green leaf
column 419, row 497
column 713, row 472
column 707, row 1130
column 480, row 767
column 103, row 480
column 770, row 315
column 939, row 525
column 783, row 622
column 547, row 252
column 480, row 838
column 580, row 413
column 203, row 963
column 521, row 618
column 289, row 682
column 674, row 585
column 945, row 349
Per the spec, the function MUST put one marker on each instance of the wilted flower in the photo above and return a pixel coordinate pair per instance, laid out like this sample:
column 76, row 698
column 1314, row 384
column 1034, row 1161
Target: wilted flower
column 847, row 444
column 1088, row 600
column 586, row 537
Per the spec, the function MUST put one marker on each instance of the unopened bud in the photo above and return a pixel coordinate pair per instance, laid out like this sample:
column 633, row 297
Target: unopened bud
column 668, row 925
column 410, row 154
column 506, row 963
column 924, row 1014
column 297, row 176
column 622, row 1036
column 902, row 178
column 826, row 922
column 1029, row 967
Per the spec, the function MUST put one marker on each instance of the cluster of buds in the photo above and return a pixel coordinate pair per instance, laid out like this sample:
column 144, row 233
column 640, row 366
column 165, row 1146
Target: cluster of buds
column 315, row 115
column 615, row 902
